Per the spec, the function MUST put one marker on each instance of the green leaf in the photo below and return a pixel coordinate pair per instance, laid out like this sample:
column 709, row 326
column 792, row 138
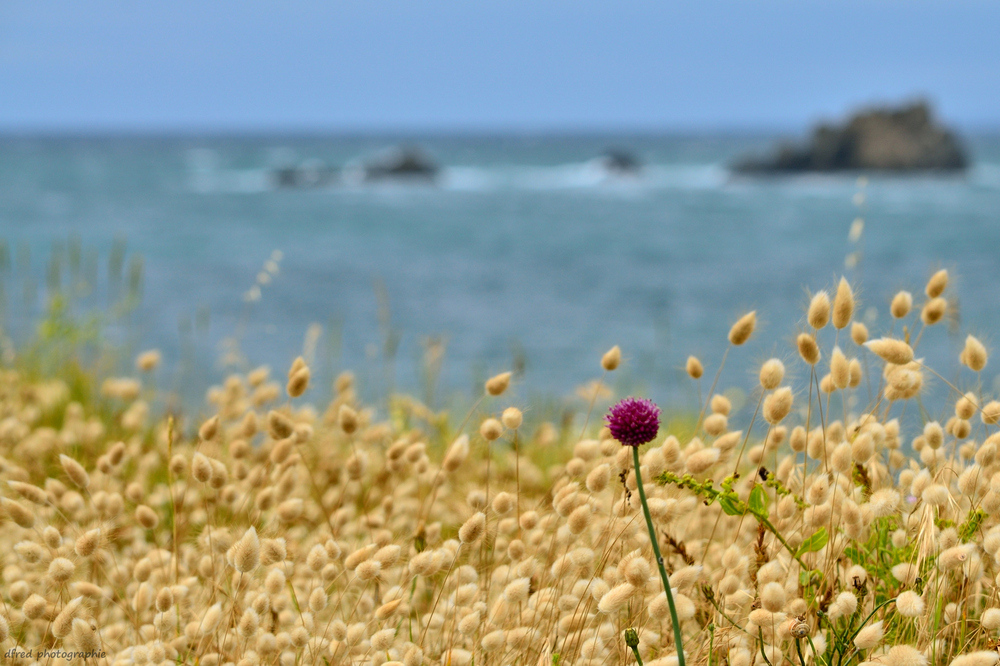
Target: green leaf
column 759, row 501
column 813, row 543
column 731, row 505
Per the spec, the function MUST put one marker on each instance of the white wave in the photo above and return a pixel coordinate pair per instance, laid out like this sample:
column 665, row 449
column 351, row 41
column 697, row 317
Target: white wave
column 985, row 175
column 205, row 177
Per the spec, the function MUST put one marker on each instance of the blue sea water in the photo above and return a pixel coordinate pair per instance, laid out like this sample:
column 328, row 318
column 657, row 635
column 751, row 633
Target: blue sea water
column 525, row 253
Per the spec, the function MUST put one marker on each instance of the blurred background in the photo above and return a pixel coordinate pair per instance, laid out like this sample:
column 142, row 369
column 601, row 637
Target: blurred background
column 429, row 193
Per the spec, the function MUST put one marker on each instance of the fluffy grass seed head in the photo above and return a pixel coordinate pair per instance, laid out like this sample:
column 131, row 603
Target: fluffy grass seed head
column 869, row 637
column 904, row 655
column 743, row 328
column 937, row 284
column 246, row 551
column 347, row 418
column 818, row 314
column 694, row 367
column 910, row 604
column 777, row 405
column 473, row 528
column 859, row 333
column 933, row 311
column 611, row 359
column 491, row 429
column 901, row 304
column 808, row 349
column 147, row 361
column 497, row 384
column 512, row 418
column 891, row 350
column 843, row 304
column 75, row 471
column 974, row 355
column 772, row 371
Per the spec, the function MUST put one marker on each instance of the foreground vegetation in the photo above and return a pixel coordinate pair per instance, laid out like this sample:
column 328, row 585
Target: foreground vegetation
column 831, row 521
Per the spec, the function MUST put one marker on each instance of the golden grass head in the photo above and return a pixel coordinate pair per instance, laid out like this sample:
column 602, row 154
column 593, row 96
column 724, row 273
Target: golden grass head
column 808, row 348
column 491, row 429
column 512, row 418
column 743, row 328
column 818, row 314
column 843, row 304
column 772, row 371
column 209, row 429
column 934, row 311
column 148, row 361
column 497, row 384
column 901, row 304
column 974, row 355
column 473, row 528
column 612, row 358
column 75, row 471
column 859, row 333
column 298, row 382
column 937, row 284
column 694, row 368
column 347, row 418
column 891, row 350
column 778, row 404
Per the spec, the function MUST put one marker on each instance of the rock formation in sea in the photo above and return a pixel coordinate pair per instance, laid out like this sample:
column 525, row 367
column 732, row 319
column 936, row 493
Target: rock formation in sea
column 900, row 139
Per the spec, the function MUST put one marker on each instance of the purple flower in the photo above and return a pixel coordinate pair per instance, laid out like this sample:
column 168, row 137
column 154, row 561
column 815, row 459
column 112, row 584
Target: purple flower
column 634, row 421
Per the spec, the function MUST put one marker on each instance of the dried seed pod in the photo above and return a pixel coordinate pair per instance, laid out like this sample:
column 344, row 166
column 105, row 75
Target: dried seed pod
column 840, row 369
column 146, row 517
column 201, row 468
column 937, row 284
column 859, row 333
column 974, row 354
column 611, row 359
column 512, row 418
column 890, row 350
column 18, row 512
column 491, row 429
column 347, row 418
column 743, row 328
column 209, row 429
column 694, row 367
column 778, row 404
column 497, row 384
column 279, row 425
column 843, row 304
column 901, row 304
column 808, row 349
column 473, row 528
column 298, row 383
column 771, row 374
column 246, row 551
column 29, row 492
column 818, row 314
column 75, row 471
column 934, row 310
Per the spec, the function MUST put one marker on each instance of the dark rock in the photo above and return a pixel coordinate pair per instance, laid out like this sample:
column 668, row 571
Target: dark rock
column 898, row 140
column 406, row 163
column 312, row 173
column 620, row 163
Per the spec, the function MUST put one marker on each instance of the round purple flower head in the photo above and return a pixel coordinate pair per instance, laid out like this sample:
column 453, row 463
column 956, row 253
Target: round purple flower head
column 634, row 421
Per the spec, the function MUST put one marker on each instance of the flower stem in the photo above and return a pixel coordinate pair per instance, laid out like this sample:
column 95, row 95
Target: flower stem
column 678, row 641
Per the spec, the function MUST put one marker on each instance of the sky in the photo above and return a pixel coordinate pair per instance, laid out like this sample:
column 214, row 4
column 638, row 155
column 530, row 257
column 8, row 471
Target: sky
column 485, row 65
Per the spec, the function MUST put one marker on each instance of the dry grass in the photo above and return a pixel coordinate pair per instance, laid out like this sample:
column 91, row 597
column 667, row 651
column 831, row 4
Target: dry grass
column 801, row 529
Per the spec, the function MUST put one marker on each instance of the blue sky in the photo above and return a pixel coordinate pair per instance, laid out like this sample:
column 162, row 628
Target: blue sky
column 471, row 65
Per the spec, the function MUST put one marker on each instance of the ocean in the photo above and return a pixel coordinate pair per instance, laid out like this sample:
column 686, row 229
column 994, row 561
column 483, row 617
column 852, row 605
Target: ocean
column 524, row 254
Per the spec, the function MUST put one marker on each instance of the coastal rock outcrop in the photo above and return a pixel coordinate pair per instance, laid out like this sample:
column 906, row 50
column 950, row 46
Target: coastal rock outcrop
column 899, row 139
